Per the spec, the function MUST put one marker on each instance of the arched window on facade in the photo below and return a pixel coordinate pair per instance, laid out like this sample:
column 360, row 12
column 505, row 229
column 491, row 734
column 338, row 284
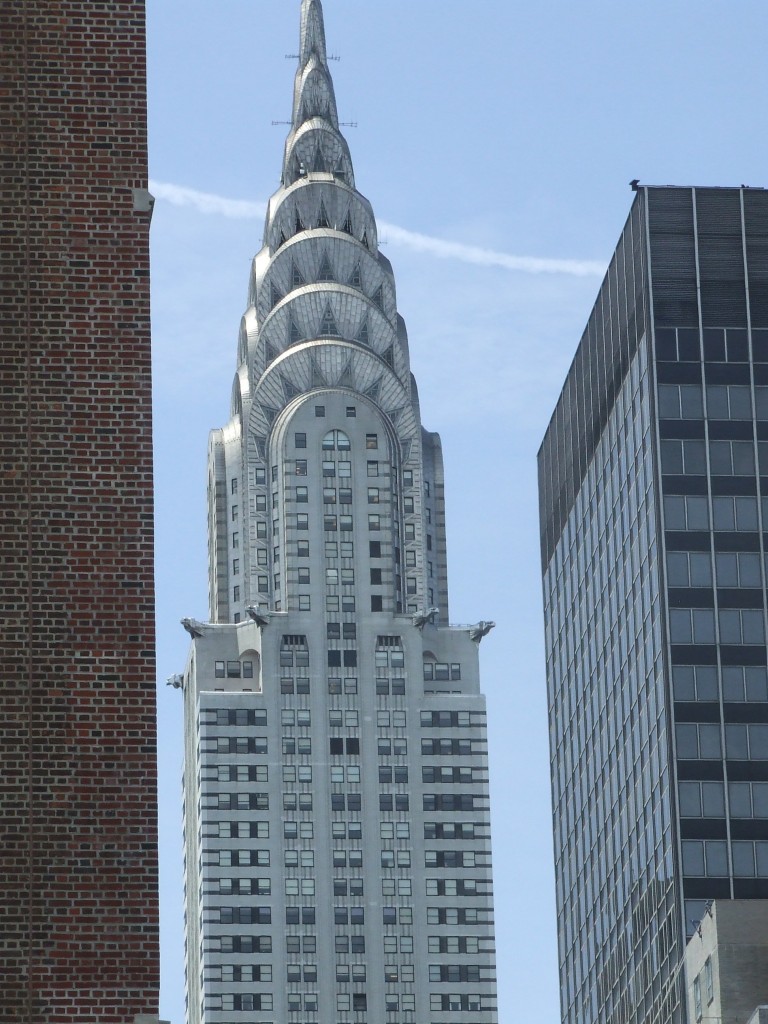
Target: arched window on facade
column 336, row 440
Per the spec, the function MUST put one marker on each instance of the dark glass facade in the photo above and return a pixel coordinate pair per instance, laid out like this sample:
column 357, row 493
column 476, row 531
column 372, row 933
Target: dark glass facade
column 653, row 481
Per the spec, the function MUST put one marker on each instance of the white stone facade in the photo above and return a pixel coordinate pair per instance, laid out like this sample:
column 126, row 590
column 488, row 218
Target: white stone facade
column 336, row 799
column 726, row 964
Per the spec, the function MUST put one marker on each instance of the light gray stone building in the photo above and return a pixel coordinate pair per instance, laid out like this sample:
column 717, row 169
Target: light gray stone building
column 337, row 833
column 726, row 964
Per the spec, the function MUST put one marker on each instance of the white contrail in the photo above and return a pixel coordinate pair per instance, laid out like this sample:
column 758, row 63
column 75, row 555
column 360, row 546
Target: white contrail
column 205, row 202
column 488, row 257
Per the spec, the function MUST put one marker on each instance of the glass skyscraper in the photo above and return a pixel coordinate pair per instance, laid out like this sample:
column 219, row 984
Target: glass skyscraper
column 337, row 832
column 653, row 484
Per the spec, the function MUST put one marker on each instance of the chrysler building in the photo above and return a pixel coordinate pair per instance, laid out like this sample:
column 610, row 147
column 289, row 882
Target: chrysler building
column 337, row 834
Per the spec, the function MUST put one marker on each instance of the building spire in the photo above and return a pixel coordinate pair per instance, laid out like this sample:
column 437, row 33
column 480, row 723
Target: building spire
column 312, row 32
column 313, row 94
column 315, row 142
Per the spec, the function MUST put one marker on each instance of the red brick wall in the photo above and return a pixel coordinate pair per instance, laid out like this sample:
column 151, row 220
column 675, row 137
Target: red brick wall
column 78, row 842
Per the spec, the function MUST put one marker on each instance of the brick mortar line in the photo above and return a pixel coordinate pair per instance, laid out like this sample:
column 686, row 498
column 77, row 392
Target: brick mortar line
column 30, row 591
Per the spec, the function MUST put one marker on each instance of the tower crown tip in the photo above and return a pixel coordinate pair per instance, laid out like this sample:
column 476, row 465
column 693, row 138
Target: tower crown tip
column 314, row 106
column 312, row 32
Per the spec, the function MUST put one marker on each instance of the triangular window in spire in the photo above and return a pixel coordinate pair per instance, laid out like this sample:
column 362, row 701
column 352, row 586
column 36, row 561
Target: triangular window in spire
column 289, row 388
column 298, row 225
column 348, row 223
column 328, row 328
column 297, row 278
column 389, row 356
column 373, row 391
column 364, row 239
column 275, row 295
column 316, row 377
column 270, row 352
column 378, row 297
column 356, row 281
column 363, row 334
column 325, row 273
column 319, row 164
column 315, row 108
column 294, row 334
column 341, row 174
column 322, row 218
column 282, row 240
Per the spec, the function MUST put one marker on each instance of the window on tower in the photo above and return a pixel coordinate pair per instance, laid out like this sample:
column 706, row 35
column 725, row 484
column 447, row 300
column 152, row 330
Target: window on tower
column 336, row 440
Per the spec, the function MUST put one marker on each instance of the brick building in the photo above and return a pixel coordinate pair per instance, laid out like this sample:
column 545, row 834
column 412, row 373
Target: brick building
column 78, row 843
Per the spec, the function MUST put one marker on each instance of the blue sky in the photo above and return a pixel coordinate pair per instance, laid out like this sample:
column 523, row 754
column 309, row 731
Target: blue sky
column 496, row 142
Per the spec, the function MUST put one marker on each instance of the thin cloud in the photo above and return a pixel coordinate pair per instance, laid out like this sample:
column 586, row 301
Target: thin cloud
column 205, row 202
